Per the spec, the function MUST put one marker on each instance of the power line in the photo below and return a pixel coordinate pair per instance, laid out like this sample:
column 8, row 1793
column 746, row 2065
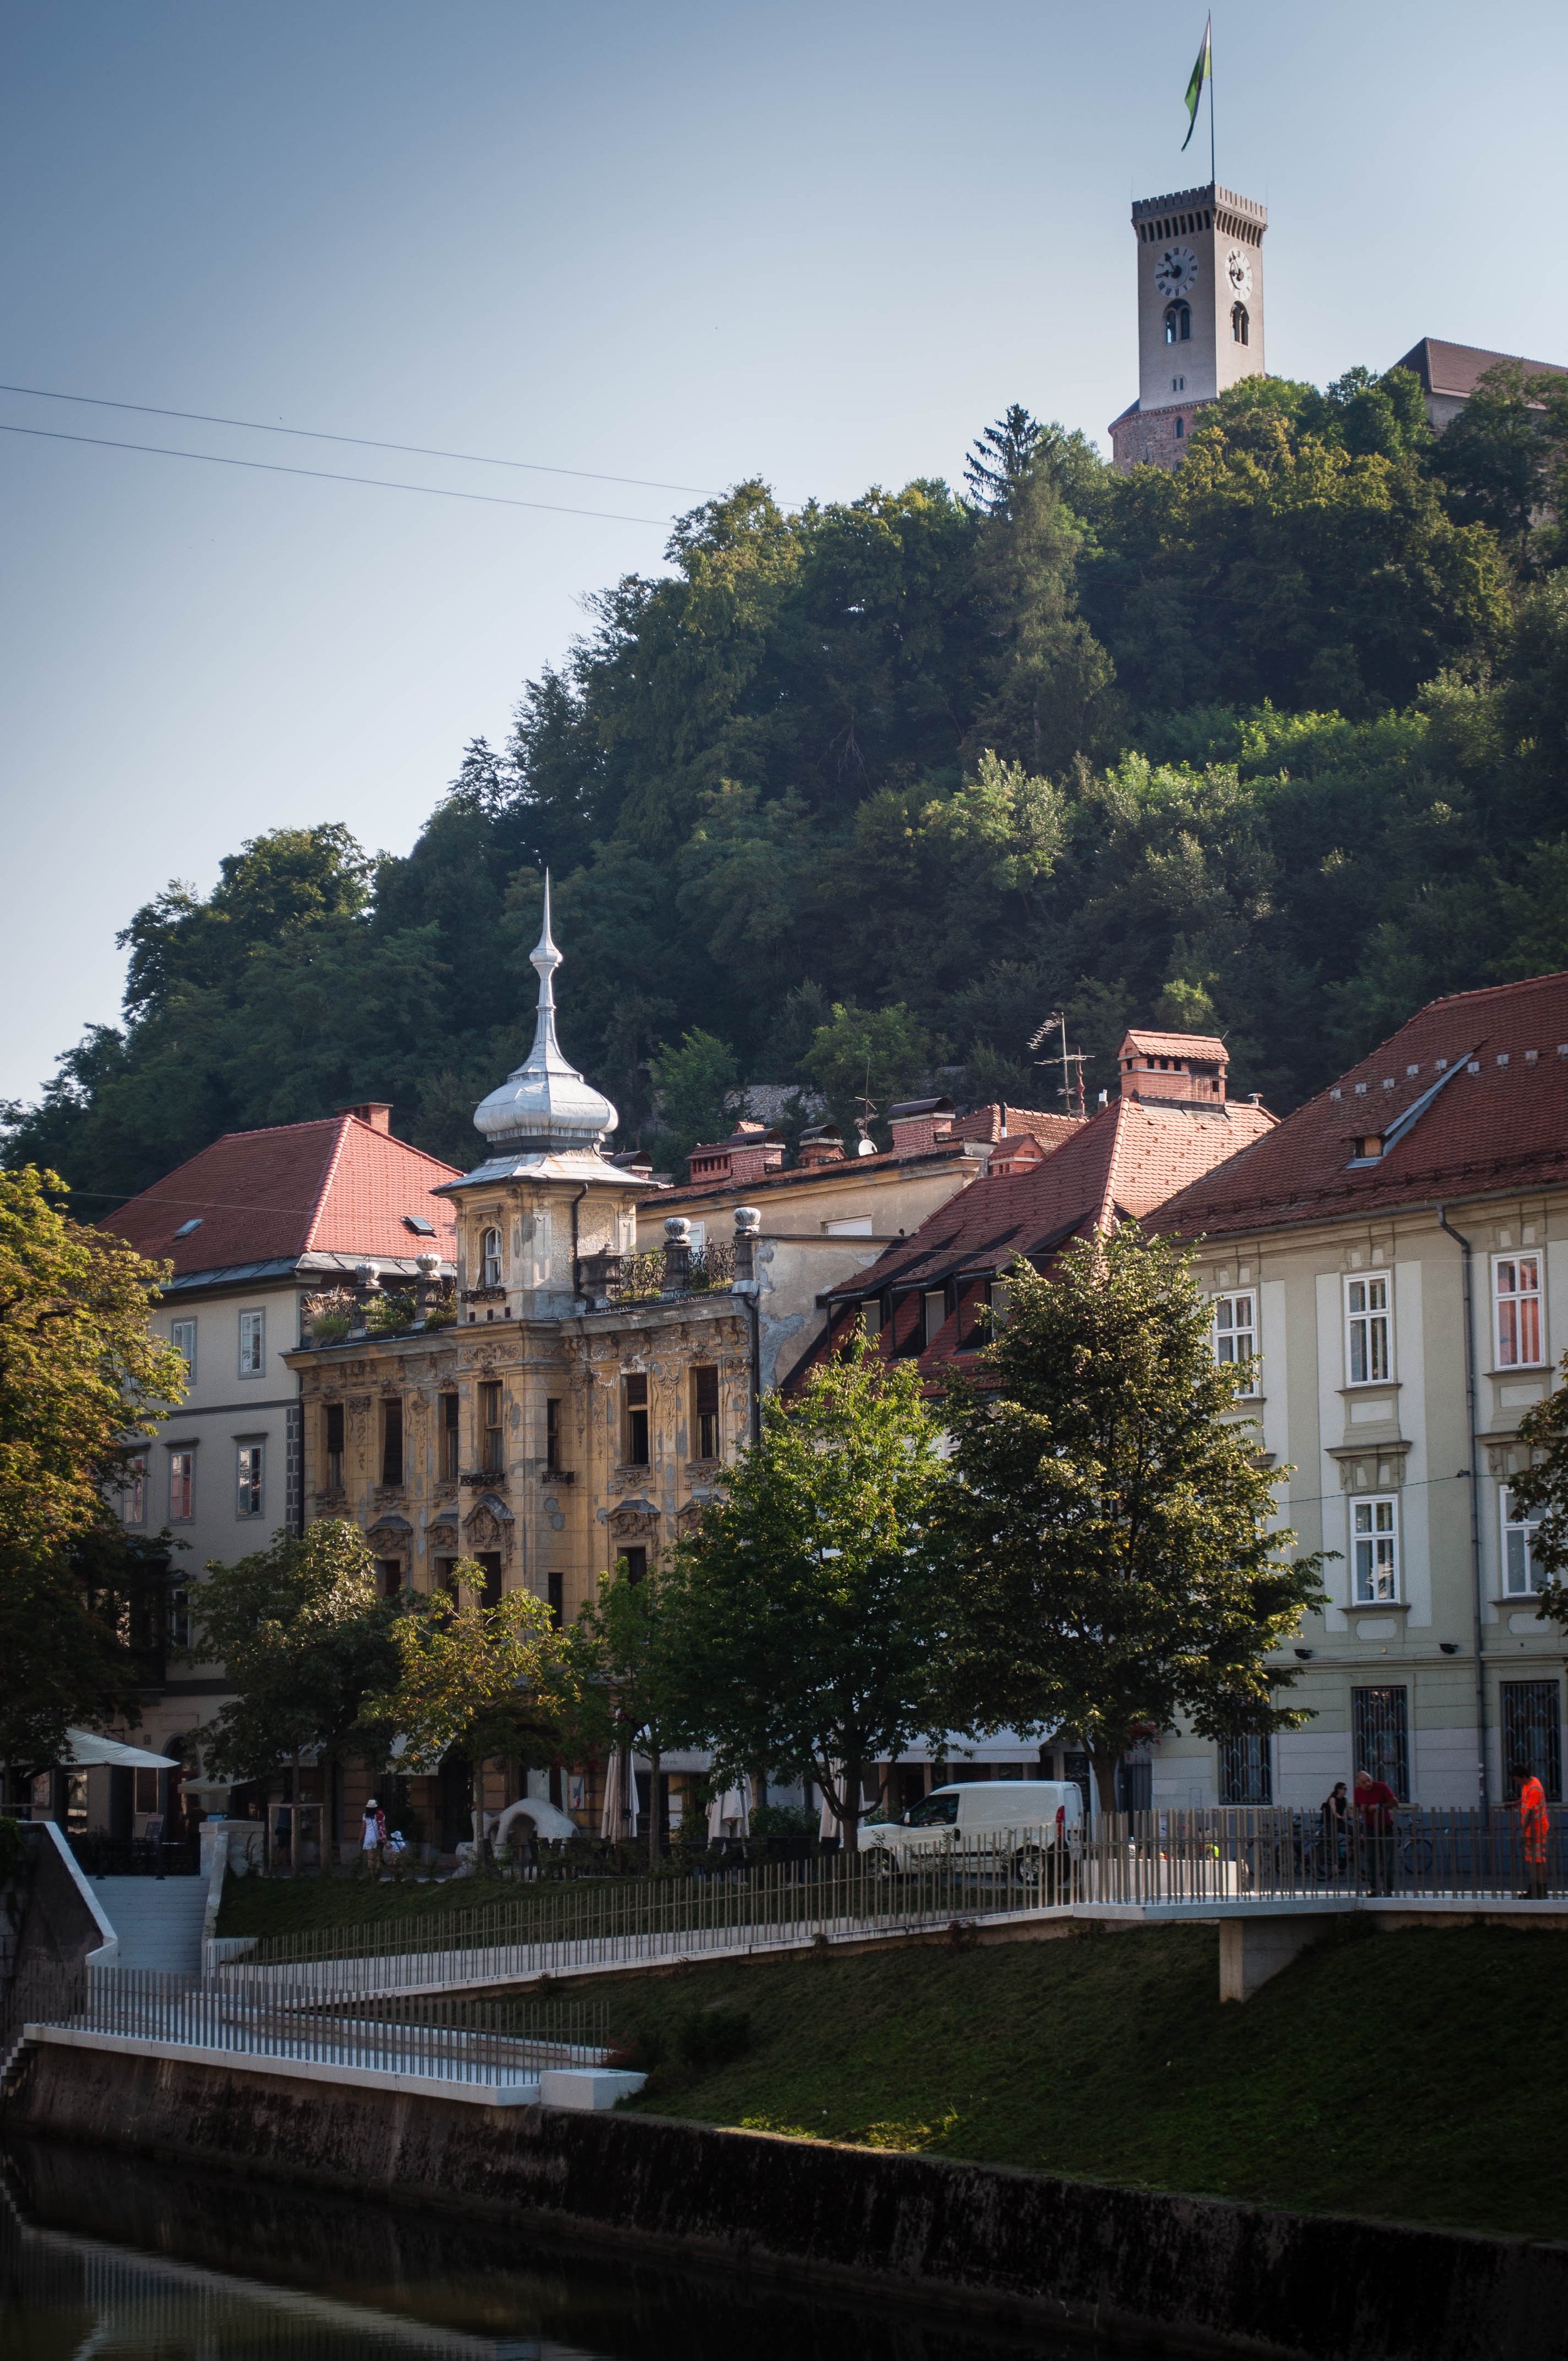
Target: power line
column 330, row 476
column 363, row 441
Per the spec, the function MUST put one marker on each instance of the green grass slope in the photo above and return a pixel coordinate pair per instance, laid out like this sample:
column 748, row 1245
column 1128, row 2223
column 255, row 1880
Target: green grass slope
column 1417, row 2077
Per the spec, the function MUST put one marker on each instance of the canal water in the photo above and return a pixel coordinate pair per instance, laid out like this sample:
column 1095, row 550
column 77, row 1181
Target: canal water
column 108, row 2258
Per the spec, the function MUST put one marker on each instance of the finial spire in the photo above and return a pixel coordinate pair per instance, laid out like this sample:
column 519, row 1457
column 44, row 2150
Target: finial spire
column 546, row 959
column 545, row 1104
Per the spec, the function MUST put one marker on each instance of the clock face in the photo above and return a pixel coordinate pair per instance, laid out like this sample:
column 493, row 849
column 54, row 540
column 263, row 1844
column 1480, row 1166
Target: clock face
column 1176, row 272
column 1238, row 270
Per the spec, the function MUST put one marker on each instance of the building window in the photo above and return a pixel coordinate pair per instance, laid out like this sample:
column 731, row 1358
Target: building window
column 1178, row 323
column 1367, row 1357
column 1520, row 1575
column 249, row 1502
column 1246, row 1771
column 145, row 1790
column 1380, row 1727
column 183, row 1336
column 553, row 1437
column 933, row 1314
column 1533, row 1734
column 450, row 1462
column 1375, row 1551
column 491, row 1259
column 1235, row 1336
column 252, row 1342
column 1180, row 429
column 389, row 1574
column 1516, row 1291
column 556, row 1597
column 179, row 1626
column 635, row 1416
column 705, row 1412
column 492, row 1441
column 392, row 1440
column 635, row 1561
column 446, row 1578
column 331, row 1444
column 1241, row 327
column 997, row 1298
column 871, row 1315
column 490, row 1585
column 181, row 1486
column 132, row 1491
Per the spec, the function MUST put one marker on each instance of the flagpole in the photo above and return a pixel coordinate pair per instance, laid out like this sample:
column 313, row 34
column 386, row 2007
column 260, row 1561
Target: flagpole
column 1213, row 176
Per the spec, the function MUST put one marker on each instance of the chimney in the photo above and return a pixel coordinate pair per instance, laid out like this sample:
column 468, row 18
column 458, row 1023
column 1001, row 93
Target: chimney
column 824, row 1144
column 1173, row 1069
column 377, row 1113
column 919, row 1123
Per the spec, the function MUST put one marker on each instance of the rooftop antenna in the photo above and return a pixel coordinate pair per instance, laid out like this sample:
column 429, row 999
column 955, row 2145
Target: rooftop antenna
column 864, row 1120
column 1072, row 1060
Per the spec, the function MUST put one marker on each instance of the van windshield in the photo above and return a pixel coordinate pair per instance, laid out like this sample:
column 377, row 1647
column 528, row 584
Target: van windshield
column 936, row 1812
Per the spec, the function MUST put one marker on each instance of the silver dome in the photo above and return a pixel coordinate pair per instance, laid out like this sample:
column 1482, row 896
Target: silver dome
column 545, row 1104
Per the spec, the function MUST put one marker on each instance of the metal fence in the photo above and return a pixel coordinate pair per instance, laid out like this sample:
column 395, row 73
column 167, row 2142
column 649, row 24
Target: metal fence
column 1233, row 1856
column 441, row 2038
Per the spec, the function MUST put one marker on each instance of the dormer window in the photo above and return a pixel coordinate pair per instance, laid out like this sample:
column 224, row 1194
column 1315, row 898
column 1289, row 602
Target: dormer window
column 491, row 1259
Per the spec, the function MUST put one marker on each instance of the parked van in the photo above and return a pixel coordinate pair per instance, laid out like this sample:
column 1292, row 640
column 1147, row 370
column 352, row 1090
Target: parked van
column 1021, row 1821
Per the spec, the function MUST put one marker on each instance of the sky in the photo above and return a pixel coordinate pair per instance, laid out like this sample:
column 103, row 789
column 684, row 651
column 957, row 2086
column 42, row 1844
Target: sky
column 690, row 244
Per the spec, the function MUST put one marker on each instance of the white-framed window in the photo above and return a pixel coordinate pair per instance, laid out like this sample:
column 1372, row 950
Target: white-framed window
column 932, row 1314
column 252, row 1343
column 181, row 1486
column 1515, row 1309
column 1368, row 1336
column 132, row 1491
column 1520, row 1579
column 183, row 1336
column 1236, row 1335
column 853, row 1225
column 1375, row 1551
column 491, row 1259
column 250, row 1475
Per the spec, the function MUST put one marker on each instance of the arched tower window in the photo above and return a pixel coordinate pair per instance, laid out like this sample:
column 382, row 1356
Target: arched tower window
column 1179, row 324
column 491, row 1259
column 1240, row 324
column 1180, row 429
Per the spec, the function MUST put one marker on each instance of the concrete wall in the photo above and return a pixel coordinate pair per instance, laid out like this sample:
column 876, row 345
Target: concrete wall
column 1200, row 2275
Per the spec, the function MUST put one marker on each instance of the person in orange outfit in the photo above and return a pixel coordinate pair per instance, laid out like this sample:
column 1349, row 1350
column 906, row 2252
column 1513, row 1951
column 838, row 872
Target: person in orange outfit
column 1535, row 1828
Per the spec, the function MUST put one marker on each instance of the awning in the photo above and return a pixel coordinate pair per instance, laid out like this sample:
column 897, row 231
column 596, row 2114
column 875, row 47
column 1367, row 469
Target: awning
column 86, row 1750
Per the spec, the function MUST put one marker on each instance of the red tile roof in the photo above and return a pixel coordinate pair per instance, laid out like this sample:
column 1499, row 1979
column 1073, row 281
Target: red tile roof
column 1202, row 1046
column 1457, row 368
column 989, row 1123
column 1123, row 1162
column 337, row 1186
column 1504, row 1127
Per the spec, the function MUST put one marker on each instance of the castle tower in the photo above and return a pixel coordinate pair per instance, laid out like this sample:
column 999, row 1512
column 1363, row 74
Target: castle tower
column 1199, row 315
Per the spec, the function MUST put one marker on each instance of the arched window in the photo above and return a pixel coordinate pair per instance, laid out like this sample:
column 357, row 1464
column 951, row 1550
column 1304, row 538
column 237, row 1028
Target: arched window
column 1240, row 324
column 1180, row 429
column 1179, row 324
column 490, row 1258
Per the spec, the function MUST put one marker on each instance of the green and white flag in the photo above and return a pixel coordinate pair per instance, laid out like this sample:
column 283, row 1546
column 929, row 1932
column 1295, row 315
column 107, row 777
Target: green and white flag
column 1200, row 73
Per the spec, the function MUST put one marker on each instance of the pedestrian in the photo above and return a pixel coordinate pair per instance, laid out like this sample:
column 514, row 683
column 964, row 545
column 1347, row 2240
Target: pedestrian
column 1337, row 1827
column 1535, row 1828
column 373, row 1835
column 1375, row 1804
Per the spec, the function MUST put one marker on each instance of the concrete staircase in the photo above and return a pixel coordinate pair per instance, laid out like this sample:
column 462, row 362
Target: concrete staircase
column 158, row 1920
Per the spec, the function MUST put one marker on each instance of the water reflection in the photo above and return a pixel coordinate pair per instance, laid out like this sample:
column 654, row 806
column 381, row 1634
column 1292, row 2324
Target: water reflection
column 108, row 2258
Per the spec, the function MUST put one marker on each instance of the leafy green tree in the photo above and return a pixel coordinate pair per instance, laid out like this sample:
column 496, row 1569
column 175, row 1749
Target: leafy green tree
column 1540, row 1491
column 624, row 1649
column 808, row 1624
column 881, row 1054
column 1501, row 457
column 1109, row 1527
column 305, row 1642
column 691, row 1082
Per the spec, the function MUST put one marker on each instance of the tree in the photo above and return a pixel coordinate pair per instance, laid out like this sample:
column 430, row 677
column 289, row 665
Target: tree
column 305, row 1642
column 691, row 1083
column 882, row 1054
column 807, row 1619
column 623, row 1648
column 81, row 1381
column 1540, row 1491
column 1108, row 1525
column 487, row 1682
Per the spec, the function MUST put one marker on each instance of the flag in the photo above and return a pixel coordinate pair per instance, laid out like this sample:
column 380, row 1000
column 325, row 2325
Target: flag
column 1200, row 73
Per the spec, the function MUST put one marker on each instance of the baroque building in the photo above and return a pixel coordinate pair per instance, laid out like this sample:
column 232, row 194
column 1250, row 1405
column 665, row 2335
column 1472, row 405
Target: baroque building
column 570, row 1406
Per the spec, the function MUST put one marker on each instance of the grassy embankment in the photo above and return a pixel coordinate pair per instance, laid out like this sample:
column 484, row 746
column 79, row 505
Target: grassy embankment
column 1417, row 2077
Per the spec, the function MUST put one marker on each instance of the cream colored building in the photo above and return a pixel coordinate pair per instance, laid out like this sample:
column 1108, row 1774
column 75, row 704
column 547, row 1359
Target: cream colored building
column 1200, row 279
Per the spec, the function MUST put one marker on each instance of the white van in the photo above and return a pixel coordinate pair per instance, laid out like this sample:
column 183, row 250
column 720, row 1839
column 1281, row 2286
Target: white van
column 1016, row 1820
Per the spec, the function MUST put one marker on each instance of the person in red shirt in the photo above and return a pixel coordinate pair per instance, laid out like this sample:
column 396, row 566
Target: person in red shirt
column 1535, row 1828
column 1375, row 1804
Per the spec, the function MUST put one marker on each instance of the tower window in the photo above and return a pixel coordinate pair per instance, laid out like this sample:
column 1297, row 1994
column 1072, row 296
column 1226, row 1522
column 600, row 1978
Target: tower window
column 448, row 1432
column 1179, row 324
column 491, row 1259
column 635, row 1436
column 492, row 1441
column 1181, row 430
column 1240, row 324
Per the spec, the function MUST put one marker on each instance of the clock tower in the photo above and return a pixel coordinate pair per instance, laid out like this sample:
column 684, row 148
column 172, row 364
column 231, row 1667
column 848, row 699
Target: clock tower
column 1199, row 315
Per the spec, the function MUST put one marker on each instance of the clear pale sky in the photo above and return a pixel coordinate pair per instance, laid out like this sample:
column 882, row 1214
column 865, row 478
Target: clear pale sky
column 821, row 242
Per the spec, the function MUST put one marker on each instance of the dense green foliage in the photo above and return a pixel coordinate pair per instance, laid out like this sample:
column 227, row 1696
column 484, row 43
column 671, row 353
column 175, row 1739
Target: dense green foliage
column 1276, row 742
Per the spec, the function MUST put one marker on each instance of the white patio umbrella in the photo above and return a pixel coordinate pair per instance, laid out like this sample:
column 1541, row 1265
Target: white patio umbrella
column 618, row 1819
column 730, row 1815
column 85, row 1750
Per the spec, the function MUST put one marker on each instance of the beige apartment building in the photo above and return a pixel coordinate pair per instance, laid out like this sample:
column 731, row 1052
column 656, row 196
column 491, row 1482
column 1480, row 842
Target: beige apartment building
column 1391, row 1263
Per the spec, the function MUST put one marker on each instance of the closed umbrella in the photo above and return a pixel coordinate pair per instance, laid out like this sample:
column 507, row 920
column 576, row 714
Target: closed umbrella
column 617, row 1821
column 730, row 1815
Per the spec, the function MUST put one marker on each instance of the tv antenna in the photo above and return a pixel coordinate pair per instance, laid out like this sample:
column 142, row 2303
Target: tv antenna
column 866, row 1118
column 1072, row 1060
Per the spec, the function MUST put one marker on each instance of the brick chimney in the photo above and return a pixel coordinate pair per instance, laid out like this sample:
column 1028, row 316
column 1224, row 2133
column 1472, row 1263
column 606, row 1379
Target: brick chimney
column 377, row 1113
column 1174, row 1069
column 824, row 1144
column 750, row 1151
column 919, row 1123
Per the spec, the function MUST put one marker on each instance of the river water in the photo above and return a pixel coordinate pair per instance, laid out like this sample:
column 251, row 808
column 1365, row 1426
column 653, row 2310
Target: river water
column 108, row 2258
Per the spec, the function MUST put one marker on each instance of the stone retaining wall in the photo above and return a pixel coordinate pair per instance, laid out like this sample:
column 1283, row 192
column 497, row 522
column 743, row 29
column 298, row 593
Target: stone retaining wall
column 1195, row 2274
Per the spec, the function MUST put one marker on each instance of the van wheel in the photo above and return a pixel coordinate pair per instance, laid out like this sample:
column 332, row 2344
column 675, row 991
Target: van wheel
column 882, row 1863
column 1030, row 1866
